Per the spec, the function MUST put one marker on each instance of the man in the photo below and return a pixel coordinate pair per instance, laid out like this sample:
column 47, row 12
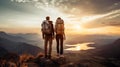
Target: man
column 48, row 35
column 60, row 36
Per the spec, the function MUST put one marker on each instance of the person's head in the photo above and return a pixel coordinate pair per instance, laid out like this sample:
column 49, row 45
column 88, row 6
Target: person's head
column 47, row 18
column 58, row 18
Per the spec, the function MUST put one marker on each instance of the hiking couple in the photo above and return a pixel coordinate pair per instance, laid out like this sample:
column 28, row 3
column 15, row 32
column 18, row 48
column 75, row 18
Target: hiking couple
column 49, row 33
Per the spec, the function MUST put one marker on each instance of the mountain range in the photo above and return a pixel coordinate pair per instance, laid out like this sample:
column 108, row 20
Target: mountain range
column 17, row 44
column 110, row 50
column 98, row 57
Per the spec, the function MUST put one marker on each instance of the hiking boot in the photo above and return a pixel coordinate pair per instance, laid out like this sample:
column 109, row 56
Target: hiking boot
column 49, row 56
column 62, row 56
column 46, row 56
column 58, row 55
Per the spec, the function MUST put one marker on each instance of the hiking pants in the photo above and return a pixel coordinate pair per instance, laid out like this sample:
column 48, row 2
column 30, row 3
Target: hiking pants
column 48, row 45
column 59, row 47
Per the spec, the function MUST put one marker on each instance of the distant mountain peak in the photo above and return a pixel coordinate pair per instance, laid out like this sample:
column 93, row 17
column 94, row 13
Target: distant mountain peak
column 117, row 41
column 2, row 32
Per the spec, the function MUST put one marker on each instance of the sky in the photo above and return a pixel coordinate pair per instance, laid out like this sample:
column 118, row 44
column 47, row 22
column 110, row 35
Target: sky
column 80, row 16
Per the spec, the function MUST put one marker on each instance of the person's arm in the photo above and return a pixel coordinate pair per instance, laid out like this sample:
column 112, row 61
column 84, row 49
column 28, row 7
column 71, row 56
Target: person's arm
column 55, row 27
column 64, row 37
column 64, row 32
column 43, row 35
column 53, row 30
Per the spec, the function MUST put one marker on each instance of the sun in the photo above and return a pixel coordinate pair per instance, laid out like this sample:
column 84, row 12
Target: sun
column 77, row 27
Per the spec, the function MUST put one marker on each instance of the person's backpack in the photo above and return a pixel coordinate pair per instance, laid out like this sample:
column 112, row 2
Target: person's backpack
column 46, row 28
column 59, row 27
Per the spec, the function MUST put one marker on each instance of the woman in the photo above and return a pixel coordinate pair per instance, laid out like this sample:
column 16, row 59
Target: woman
column 60, row 36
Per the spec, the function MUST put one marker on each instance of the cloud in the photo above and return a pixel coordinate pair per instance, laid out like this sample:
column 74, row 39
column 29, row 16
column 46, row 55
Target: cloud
column 100, row 20
column 89, row 13
column 75, row 7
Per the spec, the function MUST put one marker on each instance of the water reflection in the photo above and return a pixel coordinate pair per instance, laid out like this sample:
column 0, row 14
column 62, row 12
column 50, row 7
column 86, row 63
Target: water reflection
column 81, row 46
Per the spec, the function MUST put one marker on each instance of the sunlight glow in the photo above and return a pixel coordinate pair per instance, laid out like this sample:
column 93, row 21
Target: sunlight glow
column 77, row 27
